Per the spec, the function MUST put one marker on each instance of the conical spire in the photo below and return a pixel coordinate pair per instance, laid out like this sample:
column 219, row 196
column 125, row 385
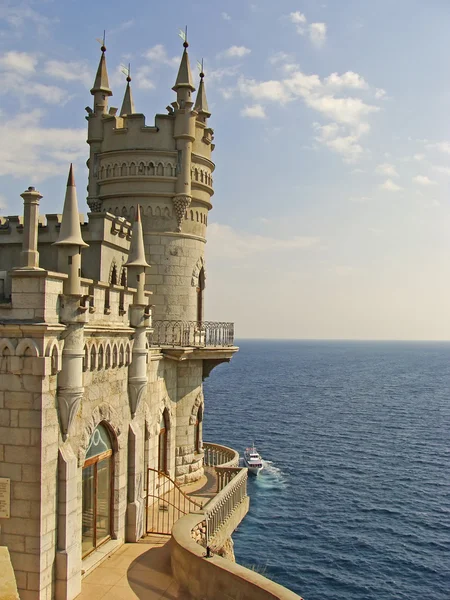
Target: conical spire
column 184, row 77
column 136, row 257
column 127, row 104
column 70, row 232
column 201, row 103
column 101, row 83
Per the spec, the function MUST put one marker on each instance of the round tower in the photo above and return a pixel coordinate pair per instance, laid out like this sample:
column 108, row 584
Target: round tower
column 167, row 169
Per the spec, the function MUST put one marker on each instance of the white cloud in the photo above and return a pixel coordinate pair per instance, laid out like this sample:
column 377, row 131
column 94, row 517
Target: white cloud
column 297, row 17
column 226, row 242
column 386, row 169
column 235, row 52
column 346, row 80
column 20, row 62
column 142, row 79
column 350, row 111
column 390, row 186
column 359, row 199
column 255, row 112
column 441, row 146
column 380, row 93
column 318, row 33
column 440, row 169
column 17, row 16
column 157, row 55
column 264, row 90
column 121, row 27
column 225, row 16
column 43, row 151
column 423, row 180
column 419, row 156
column 69, row 71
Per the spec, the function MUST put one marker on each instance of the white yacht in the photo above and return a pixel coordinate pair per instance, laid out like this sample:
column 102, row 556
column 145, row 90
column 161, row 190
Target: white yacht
column 253, row 460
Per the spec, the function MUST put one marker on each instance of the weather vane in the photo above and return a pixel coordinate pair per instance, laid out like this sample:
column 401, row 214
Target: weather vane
column 126, row 71
column 183, row 36
column 200, row 68
column 102, row 41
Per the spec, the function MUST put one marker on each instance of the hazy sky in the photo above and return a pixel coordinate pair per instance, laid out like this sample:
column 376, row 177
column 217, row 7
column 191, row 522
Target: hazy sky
column 331, row 214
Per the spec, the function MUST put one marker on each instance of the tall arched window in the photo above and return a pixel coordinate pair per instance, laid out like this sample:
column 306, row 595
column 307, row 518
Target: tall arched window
column 198, row 431
column 200, row 288
column 162, row 443
column 97, row 491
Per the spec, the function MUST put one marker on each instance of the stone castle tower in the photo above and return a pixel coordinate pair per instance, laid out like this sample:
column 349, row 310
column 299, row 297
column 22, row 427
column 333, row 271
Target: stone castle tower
column 167, row 169
column 103, row 345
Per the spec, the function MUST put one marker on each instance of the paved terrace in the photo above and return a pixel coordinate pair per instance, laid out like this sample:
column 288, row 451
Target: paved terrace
column 142, row 570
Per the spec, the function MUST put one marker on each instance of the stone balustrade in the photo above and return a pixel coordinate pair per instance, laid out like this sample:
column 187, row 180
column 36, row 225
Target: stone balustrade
column 217, row 455
column 195, row 334
column 220, row 508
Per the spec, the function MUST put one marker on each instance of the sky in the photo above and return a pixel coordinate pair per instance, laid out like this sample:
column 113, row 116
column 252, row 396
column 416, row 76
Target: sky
column 331, row 213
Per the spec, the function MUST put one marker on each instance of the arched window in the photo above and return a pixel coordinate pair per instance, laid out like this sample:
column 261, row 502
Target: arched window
column 162, row 443
column 200, row 289
column 127, row 355
column 121, row 357
column 113, row 278
column 198, row 431
column 100, row 358
column 55, row 361
column 93, row 357
column 114, row 357
column 85, row 358
column 108, row 357
column 97, row 491
column 146, row 455
column 123, row 277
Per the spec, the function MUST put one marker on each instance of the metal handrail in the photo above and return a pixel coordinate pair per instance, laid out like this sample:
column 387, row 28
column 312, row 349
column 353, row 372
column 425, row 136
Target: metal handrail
column 196, row 334
column 175, row 502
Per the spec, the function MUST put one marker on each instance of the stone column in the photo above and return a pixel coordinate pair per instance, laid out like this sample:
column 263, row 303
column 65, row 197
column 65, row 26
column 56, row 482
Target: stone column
column 30, row 254
column 68, row 555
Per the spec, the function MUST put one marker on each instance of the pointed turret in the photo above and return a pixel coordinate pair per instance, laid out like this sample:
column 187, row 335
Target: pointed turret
column 127, row 104
column 70, row 241
column 101, row 89
column 184, row 77
column 70, row 232
column 136, row 256
column 201, row 103
column 136, row 263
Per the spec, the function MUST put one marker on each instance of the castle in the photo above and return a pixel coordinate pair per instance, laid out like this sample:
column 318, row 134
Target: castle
column 103, row 343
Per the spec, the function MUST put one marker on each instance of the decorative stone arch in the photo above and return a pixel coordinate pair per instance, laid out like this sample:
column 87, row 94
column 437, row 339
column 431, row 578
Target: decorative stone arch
column 165, row 405
column 106, row 414
column 133, row 168
column 86, row 358
column 199, row 265
column 108, row 355
column 6, row 348
column 149, row 211
column 160, row 169
column 114, row 356
column 166, row 211
column 128, row 354
column 151, row 168
column 199, row 402
column 92, row 357
column 157, row 211
column 116, row 170
column 101, row 357
column 54, row 352
column 124, row 170
column 27, row 347
column 141, row 168
column 169, row 169
column 121, row 355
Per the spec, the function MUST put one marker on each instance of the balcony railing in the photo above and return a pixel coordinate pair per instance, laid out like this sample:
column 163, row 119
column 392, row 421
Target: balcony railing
column 196, row 334
column 224, row 459
column 222, row 506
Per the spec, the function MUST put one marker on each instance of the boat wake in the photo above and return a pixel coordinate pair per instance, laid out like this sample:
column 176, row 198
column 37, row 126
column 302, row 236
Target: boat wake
column 271, row 477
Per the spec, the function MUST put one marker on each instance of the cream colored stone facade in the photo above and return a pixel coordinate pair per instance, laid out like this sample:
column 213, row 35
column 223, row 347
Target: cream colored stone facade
column 77, row 342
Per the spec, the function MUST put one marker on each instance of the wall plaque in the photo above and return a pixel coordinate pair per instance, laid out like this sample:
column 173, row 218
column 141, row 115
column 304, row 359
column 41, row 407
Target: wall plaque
column 5, row 497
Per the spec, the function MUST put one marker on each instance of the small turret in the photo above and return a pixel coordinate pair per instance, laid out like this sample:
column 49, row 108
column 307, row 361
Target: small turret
column 70, row 241
column 184, row 85
column 127, row 104
column 136, row 263
column 100, row 89
column 201, row 103
column 30, row 254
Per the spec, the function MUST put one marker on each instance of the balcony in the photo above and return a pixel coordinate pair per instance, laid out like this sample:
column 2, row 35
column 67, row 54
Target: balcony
column 192, row 334
column 210, row 341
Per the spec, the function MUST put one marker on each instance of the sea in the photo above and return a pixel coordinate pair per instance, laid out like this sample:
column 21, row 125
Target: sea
column 353, row 502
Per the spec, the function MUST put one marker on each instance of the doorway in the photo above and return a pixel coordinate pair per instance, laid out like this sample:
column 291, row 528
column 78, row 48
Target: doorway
column 97, row 491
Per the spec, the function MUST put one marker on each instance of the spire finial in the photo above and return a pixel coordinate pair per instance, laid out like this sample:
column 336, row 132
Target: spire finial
column 101, row 83
column 128, row 103
column 71, row 178
column 136, row 256
column 184, row 78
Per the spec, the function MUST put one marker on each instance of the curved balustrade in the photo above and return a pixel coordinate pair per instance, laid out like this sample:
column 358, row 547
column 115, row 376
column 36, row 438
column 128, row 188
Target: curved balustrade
column 220, row 508
column 197, row 334
column 215, row 455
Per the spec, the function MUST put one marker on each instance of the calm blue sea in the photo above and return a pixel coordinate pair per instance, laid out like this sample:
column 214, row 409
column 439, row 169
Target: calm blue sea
column 354, row 500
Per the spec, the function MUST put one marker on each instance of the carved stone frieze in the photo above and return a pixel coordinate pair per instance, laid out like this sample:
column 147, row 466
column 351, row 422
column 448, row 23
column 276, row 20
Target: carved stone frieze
column 136, row 390
column 68, row 404
column 181, row 203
